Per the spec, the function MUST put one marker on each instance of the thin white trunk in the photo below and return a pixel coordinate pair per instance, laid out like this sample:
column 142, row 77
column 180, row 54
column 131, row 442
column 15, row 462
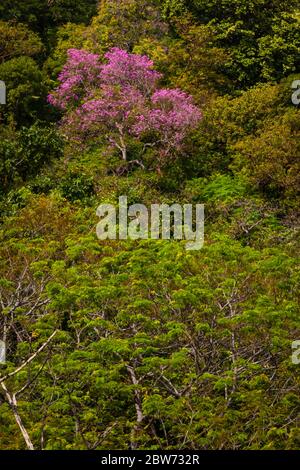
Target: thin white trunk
column 11, row 397
column 12, row 401
column 138, row 408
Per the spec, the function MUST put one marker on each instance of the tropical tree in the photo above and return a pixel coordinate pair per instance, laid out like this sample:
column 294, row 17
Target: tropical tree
column 121, row 99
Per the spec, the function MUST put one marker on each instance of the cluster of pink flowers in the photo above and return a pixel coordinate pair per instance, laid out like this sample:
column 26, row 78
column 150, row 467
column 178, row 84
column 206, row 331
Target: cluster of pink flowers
column 115, row 106
column 77, row 78
column 171, row 115
column 121, row 98
column 124, row 69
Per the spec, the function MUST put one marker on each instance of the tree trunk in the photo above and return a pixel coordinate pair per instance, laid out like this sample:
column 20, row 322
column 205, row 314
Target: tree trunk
column 138, row 408
column 122, row 145
column 12, row 401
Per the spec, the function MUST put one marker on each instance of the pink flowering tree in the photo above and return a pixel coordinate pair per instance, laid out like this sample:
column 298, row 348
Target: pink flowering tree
column 121, row 100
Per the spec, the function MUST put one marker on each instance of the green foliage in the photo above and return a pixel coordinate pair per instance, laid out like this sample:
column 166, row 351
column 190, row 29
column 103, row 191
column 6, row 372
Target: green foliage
column 156, row 347
column 124, row 311
column 220, row 188
column 255, row 136
column 17, row 40
column 26, row 92
column 279, row 51
column 23, row 155
column 271, row 158
column 41, row 15
column 111, row 27
column 42, row 185
column 77, row 186
column 262, row 39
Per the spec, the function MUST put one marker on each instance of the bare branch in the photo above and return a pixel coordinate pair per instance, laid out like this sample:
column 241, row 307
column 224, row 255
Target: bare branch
column 31, row 358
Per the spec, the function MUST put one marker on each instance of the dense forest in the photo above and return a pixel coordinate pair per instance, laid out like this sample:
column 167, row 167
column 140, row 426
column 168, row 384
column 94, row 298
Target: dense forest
column 142, row 344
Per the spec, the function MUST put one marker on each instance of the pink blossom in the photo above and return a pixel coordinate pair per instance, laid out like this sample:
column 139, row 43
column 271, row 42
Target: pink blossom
column 124, row 69
column 171, row 115
column 78, row 76
column 121, row 99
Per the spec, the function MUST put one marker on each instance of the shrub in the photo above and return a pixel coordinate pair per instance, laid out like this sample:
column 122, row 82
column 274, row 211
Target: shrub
column 77, row 187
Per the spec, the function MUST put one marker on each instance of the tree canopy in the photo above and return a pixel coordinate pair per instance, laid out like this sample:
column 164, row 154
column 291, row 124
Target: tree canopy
column 142, row 344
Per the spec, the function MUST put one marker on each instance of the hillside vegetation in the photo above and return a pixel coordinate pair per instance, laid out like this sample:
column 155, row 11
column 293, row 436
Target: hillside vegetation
column 141, row 344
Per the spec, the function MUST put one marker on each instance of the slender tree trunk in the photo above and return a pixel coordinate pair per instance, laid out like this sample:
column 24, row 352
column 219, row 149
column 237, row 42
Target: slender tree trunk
column 12, row 401
column 138, row 408
column 122, row 145
column 124, row 154
column 12, row 397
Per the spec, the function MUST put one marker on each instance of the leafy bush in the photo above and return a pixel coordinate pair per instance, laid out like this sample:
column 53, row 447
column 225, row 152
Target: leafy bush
column 42, row 185
column 26, row 92
column 23, row 153
column 77, row 187
column 17, row 40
